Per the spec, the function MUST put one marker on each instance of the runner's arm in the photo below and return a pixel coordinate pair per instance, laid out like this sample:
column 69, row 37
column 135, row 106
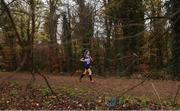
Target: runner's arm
column 82, row 60
column 91, row 59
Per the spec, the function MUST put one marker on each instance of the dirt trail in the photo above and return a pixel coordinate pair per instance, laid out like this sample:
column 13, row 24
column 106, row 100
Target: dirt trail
column 166, row 89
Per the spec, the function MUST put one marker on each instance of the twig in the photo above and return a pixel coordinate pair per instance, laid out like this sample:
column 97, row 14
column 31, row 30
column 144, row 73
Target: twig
column 4, row 80
column 156, row 93
column 133, row 87
column 177, row 92
column 47, row 82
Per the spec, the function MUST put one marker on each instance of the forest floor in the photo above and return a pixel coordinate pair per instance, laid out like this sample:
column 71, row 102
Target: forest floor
column 105, row 93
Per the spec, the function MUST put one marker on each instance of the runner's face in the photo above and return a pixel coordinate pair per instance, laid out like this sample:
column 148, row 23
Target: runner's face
column 88, row 53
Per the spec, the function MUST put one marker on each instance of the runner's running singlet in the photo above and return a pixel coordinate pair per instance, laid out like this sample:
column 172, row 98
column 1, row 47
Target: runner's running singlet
column 87, row 62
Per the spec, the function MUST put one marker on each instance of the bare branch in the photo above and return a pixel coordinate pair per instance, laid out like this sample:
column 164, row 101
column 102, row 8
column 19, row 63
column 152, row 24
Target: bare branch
column 12, row 22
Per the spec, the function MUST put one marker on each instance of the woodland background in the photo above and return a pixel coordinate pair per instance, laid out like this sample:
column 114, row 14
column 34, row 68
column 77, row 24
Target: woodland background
column 124, row 37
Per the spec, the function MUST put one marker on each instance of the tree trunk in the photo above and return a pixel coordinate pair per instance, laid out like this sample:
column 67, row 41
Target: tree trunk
column 32, row 34
column 52, row 30
column 176, row 40
column 108, row 51
column 132, row 13
column 86, row 25
column 66, row 41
